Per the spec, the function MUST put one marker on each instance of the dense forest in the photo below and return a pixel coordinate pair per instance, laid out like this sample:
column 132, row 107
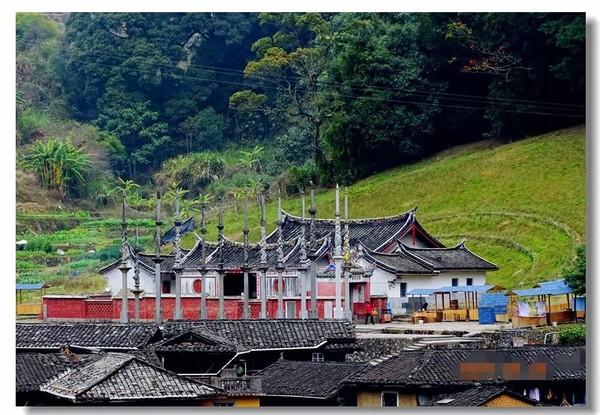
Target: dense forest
column 226, row 103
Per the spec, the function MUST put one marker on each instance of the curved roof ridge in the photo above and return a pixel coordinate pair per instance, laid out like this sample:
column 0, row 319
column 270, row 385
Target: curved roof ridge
column 196, row 245
column 463, row 244
column 369, row 257
column 446, row 248
column 413, row 251
column 370, row 254
column 403, row 249
column 357, row 220
column 268, row 246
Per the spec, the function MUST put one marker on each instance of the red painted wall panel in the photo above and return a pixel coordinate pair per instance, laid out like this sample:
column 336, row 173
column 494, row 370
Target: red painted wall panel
column 82, row 308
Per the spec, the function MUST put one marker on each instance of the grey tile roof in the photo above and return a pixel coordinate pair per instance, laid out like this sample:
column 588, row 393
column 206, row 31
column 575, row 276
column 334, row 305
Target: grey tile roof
column 398, row 263
column 111, row 336
column 321, row 380
column 233, row 254
column 457, row 257
column 34, row 369
column 168, row 260
column 196, row 341
column 166, row 265
column 477, row 396
column 269, row 334
column 439, row 367
column 371, row 232
column 122, row 377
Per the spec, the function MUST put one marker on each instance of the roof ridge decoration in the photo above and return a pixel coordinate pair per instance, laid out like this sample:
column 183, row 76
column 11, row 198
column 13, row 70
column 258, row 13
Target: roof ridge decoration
column 390, row 218
column 417, row 258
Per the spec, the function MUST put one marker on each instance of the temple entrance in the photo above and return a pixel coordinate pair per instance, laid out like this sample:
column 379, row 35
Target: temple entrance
column 233, row 285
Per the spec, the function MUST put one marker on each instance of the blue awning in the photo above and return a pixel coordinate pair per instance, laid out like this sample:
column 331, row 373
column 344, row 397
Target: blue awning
column 30, row 287
column 420, row 291
column 464, row 289
column 556, row 287
column 451, row 289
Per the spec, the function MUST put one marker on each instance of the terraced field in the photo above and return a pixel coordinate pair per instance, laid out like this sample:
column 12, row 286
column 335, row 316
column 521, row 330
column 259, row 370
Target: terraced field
column 520, row 205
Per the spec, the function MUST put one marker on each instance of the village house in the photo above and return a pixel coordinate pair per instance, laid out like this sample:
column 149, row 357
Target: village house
column 305, row 268
column 548, row 375
column 250, row 363
column 225, row 355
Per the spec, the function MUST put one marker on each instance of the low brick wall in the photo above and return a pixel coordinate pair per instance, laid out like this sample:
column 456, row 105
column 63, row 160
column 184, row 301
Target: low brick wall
column 108, row 308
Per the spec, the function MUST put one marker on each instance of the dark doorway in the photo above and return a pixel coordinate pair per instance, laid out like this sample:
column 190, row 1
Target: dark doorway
column 233, row 285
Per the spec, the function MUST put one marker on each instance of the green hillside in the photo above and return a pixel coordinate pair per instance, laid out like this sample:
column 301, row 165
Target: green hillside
column 521, row 205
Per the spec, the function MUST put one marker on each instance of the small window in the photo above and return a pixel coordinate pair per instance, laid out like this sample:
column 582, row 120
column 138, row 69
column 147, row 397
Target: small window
column 318, row 357
column 166, row 287
column 403, row 289
column 455, row 282
column 469, row 281
column 389, row 398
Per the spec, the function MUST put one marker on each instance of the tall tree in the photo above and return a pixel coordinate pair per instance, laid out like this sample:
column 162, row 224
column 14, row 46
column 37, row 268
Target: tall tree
column 292, row 62
column 379, row 59
column 575, row 273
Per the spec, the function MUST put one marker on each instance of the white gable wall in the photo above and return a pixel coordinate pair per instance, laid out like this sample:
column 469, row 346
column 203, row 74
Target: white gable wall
column 113, row 280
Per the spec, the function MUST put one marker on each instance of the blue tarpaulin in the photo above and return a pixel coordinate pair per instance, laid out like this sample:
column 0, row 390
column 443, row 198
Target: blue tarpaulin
column 185, row 227
column 30, row 287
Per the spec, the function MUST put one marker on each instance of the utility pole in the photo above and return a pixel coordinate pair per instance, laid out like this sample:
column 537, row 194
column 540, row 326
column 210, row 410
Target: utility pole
column 347, row 260
column 263, row 257
column 157, row 260
column 280, row 266
column 177, row 267
column 124, row 267
column 136, row 276
column 203, row 293
column 312, row 254
column 304, row 262
column 338, row 313
column 246, row 267
column 221, row 270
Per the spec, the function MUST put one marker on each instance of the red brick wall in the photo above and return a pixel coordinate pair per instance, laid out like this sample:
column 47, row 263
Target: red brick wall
column 82, row 308
column 65, row 307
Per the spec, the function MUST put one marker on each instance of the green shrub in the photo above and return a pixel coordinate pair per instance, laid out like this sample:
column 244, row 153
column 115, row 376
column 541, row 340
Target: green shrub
column 572, row 335
column 192, row 171
column 39, row 243
column 301, row 176
column 30, row 123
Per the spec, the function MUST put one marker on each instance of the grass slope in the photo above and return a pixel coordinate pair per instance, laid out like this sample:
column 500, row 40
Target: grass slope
column 520, row 205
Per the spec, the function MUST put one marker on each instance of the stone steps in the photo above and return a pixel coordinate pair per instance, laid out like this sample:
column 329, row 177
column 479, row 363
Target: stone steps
column 424, row 342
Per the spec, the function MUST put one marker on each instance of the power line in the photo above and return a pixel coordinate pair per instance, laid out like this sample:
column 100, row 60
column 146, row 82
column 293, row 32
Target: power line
column 398, row 101
column 474, row 99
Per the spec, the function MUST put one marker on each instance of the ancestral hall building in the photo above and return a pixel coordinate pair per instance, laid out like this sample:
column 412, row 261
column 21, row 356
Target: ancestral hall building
column 305, row 268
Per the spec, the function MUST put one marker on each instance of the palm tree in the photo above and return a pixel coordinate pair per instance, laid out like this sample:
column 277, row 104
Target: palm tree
column 250, row 160
column 57, row 164
column 126, row 188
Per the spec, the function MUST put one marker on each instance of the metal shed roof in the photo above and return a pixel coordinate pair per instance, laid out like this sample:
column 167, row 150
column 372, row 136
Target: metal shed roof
column 30, row 287
column 556, row 287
